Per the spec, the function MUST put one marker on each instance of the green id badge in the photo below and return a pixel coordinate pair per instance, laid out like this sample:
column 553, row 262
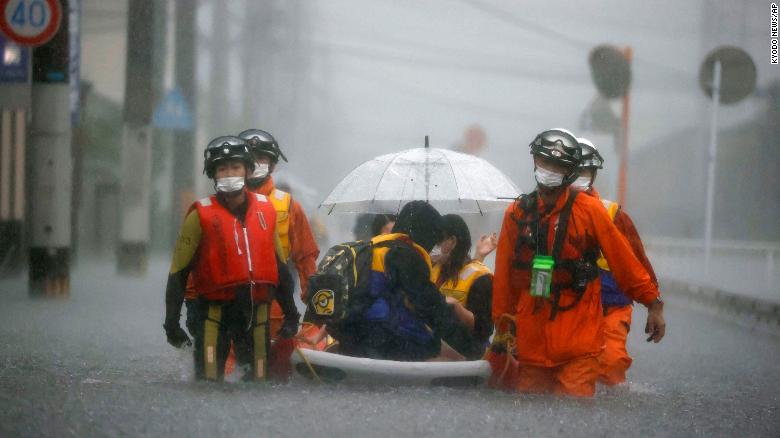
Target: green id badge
column 541, row 276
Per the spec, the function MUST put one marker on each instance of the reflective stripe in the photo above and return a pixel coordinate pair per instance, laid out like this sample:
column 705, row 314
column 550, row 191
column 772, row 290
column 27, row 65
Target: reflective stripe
column 210, row 337
column 235, row 237
column 248, row 252
column 261, row 198
column 259, row 338
column 205, row 202
column 612, row 209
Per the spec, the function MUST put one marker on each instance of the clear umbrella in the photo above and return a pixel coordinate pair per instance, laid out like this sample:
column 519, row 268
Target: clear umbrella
column 451, row 181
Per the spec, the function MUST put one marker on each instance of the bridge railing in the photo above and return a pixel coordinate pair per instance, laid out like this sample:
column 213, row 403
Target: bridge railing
column 741, row 267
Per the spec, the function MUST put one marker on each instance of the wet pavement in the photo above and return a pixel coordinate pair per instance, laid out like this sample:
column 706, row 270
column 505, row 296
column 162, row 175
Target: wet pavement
column 97, row 364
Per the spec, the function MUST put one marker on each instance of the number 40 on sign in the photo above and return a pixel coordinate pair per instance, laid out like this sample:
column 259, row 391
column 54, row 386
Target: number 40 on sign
column 30, row 22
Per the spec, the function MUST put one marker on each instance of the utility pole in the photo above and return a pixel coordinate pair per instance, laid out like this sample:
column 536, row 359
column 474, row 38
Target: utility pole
column 219, row 110
column 624, row 125
column 14, row 110
column 51, row 166
column 252, row 61
column 185, row 149
column 132, row 254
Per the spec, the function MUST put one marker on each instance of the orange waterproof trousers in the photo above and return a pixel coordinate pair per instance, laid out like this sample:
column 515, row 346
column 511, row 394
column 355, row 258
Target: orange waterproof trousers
column 576, row 378
column 614, row 360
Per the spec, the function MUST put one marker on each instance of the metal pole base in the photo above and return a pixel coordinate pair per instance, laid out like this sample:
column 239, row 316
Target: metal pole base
column 49, row 274
column 132, row 258
column 10, row 248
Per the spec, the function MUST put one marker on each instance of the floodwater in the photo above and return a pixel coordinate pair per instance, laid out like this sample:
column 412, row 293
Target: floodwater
column 97, row 364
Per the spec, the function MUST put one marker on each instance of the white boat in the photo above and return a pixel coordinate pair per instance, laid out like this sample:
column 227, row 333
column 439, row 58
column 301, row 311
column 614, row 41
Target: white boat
column 333, row 367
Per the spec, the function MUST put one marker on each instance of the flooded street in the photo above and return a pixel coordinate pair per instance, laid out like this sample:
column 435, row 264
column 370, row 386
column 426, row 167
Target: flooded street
column 98, row 364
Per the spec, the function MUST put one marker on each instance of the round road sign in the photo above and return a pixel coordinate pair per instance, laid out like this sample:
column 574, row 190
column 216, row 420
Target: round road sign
column 30, row 22
column 611, row 71
column 738, row 74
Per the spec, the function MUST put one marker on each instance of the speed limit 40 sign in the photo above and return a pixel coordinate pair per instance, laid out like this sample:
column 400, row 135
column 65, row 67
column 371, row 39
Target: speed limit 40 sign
column 30, row 22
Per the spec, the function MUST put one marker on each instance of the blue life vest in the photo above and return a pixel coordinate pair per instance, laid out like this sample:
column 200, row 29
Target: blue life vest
column 611, row 295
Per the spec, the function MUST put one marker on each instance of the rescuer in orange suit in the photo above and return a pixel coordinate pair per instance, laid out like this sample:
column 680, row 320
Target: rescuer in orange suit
column 546, row 275
column 614, row 360
column 298, row 243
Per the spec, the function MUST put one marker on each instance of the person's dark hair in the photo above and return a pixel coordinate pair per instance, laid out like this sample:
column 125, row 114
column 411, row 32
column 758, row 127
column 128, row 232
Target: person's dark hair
column 421, row 222
column 379, row 222
column 362, row 228
column 454, row 225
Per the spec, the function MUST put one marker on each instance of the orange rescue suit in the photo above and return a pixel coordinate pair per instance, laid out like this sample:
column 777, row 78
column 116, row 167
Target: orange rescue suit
column 297, row 239
column 614, row 361
column 231, row 253
column 575, row 334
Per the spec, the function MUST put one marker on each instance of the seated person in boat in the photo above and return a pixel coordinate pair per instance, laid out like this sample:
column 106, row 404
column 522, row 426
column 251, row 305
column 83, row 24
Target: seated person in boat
column 466, row 283
column 406, row 316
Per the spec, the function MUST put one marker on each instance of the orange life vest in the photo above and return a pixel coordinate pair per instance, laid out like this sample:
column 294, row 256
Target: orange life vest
column 231, row 253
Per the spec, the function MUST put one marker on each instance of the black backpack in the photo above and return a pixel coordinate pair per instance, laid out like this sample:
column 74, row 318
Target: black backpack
column 340, row 286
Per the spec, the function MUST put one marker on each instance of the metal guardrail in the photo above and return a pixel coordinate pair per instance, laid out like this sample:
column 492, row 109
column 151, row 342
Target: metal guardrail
column 743, row 267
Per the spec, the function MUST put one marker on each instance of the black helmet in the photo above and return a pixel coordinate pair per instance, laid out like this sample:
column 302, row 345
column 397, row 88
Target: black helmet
column 558, row 145
column 591, row 158
column 226, row 147
column 262, row 142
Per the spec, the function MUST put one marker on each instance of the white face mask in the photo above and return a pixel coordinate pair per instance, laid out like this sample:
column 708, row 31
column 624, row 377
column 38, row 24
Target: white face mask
column 581, row 183
column 261, row 170
column 436, row 251
column 548, row 178
column 230, row 184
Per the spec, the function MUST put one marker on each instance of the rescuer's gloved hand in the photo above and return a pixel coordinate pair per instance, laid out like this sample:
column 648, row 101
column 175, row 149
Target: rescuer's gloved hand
column 176, row 335
column 289, row 329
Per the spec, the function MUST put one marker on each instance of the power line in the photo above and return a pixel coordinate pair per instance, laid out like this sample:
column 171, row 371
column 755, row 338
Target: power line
column 561, row 75
column 444, row 100
column 524, row 24
column 555, row 35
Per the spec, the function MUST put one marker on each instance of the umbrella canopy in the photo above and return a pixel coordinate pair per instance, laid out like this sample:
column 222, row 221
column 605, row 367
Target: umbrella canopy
column 451, row 181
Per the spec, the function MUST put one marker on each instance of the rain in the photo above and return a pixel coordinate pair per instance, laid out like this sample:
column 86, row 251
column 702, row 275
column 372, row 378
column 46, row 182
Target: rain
column 107, row 106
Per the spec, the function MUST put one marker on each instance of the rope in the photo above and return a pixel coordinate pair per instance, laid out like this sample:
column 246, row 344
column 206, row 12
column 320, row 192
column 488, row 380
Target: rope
column 508, row 340
column 308, row 365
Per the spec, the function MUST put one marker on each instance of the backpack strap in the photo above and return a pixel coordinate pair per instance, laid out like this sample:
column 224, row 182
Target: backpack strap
column 576, row 268
column 527, row 204
column 563, row 225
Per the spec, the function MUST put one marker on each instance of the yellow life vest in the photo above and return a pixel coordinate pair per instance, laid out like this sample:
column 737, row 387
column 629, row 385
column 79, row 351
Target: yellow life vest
column 378, row 255
column 282, row 202
column 460, row 288
column 612, row 209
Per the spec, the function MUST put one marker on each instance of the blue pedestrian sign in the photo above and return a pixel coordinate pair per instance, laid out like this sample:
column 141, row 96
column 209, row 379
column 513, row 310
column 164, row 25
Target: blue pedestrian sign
column 173, row 112
column 13, row 65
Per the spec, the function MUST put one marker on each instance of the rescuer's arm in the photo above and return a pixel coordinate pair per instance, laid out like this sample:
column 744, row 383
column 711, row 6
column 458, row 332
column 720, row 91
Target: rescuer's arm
column 303, row 246
column 183, row 255
column 284, row 296
column 631, row 276
column 504, row 297
column 626, row 226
